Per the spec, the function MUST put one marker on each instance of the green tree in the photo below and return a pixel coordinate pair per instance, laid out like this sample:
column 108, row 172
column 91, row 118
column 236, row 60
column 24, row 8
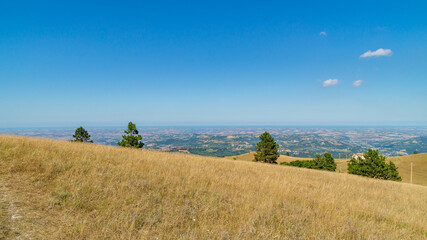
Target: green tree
column 266, row 149
column 132, row 138
column 287, row 154
column 329, row 162
column 415, row 152
column 81, row 135
column 374, row 165
column 325, row 162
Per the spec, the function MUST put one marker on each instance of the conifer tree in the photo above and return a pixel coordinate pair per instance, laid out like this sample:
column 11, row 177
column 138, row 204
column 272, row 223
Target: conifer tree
column 326, row 162
column 81, row 135
column 132, row 138
column 266, row 149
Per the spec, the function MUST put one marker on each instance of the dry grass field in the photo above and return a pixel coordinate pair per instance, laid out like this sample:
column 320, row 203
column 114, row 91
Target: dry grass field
column 62, row 190
column 419, row 174
column 250, row 157
column 419, row 171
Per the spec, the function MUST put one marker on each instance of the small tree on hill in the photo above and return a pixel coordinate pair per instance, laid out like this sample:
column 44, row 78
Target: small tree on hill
column 325, row 162
column 415, row 152
column 266, row 149
column 374, row 165
column 132, row 138
column 330, row 162
column 81, row 135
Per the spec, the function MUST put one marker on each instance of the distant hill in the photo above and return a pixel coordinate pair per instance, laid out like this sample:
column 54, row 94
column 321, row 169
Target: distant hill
column 65, row 190
column 407, row 146
column 419, row 174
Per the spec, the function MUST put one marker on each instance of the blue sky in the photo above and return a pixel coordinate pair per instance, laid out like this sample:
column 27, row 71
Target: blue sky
column 212, row 63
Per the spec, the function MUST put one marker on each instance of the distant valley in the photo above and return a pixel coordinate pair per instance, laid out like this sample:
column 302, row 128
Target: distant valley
column 230, row 141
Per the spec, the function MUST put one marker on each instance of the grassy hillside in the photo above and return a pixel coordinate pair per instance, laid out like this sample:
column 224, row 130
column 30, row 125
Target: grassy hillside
column 419, row 174
column 250, row 157
column 419, row 171
column 54, row 189
column 341, row 163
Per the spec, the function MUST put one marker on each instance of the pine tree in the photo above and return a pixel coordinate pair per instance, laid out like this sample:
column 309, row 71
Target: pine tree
column 132, row 138
column 81, row 135
column 328, row 162
column 266, row 149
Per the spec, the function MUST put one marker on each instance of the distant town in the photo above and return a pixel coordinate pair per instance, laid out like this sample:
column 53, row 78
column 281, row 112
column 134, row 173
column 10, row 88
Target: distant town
column 341, row 142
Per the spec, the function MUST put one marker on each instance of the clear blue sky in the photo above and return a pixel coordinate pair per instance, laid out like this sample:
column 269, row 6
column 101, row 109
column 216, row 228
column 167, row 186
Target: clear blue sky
column 104, row 63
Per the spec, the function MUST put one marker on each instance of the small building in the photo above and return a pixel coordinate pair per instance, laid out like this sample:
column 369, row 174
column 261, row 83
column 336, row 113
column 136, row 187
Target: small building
column 358, row 156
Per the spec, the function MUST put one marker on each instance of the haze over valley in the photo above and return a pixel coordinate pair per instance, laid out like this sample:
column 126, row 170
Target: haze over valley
column 304, row 142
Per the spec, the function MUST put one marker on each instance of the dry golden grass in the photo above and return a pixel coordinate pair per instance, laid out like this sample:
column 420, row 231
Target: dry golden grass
column 419, row 175
column 283, row 158
column 419, row 171
column 250, row 157
column 87, row 191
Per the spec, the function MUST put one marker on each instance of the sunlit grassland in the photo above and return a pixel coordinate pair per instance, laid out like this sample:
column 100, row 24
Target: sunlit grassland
column 419, row 171
column 419, row 174
column 89, row 191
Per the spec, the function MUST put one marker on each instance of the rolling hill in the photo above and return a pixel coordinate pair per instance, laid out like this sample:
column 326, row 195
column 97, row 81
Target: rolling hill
column 250, row 157
column 64, row 190
column 419, row 171
column 419, row 174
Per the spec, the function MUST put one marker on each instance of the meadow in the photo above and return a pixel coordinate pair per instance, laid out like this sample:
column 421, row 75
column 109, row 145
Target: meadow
column 67, row 190
column 419, row 171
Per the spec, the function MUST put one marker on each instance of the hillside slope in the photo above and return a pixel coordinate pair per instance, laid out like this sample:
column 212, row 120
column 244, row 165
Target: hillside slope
column 341, row 163
column 250, row 157
column 419, row 171
column 419, row 174
column 86, row 191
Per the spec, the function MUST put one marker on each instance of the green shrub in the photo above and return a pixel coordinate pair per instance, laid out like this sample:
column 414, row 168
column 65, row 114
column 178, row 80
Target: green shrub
column 325, row 162
column 373, row 165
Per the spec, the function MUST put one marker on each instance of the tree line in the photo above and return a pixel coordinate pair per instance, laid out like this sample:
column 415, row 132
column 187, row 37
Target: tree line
column 371, row 165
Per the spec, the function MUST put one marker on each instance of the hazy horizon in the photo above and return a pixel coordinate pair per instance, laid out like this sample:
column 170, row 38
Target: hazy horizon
column 217, row 126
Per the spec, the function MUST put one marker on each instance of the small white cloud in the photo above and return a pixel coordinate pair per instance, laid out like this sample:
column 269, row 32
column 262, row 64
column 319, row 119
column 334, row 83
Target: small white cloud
column 330, row 82
column 378, row 53
column 357, row 83
column 323, row 34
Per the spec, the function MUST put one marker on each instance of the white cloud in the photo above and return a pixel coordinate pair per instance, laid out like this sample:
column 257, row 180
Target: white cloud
column 378, row 53
column 330, row 82
column 323, row 34
column 357, row 83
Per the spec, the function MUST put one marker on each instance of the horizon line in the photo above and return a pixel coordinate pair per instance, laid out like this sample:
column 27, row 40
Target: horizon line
column 223, row 126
